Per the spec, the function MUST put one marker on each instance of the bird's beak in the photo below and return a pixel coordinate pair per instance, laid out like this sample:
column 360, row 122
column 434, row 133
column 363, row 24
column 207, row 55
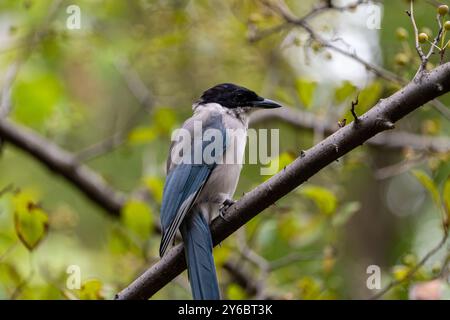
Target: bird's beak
column 266, row 104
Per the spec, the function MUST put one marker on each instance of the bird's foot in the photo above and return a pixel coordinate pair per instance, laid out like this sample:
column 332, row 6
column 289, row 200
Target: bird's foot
column 224, row 207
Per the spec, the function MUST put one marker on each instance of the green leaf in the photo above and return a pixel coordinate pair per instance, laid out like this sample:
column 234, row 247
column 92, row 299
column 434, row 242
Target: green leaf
column 280, row 162
column 324, row 199
column 369, row 96
column 222, row 255
column 35, row 99
column 156, row 186
column 235, row 292
column 137, row 216
column 164, row 120
column 91, row 290
column 344, row 91
column 141, row 135
column 30, row 221
column 400, row 272
column 305, row 90
column 309, row 288
column 429, row 185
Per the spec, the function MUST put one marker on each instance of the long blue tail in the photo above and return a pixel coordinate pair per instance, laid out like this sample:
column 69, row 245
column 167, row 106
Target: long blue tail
column 200, row 262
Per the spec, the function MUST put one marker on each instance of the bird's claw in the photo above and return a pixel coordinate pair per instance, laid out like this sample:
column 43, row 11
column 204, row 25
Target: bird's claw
column 225, row 205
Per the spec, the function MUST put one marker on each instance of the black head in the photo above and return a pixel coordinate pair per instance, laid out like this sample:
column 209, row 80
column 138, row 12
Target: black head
column 232, row 96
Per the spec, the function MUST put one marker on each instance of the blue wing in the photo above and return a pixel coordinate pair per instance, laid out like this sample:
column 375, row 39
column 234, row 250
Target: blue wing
column 183, row 185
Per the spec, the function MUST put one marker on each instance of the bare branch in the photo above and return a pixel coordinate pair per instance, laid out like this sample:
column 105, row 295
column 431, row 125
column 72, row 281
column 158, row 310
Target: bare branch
column 377, row 119
column 416, row 33
column 64, row 163
column 391, row 140
column 10, row 76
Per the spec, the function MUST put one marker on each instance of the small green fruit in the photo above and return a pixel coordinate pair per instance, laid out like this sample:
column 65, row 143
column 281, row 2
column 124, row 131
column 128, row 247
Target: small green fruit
column 402, row 34
column 401, row 59
column 316, row 46
column 409, row 260
column 423, row 37
column 447, row 25
column 443, row 10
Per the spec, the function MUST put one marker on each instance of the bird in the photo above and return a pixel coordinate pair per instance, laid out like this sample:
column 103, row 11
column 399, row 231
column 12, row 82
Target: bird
column 195, row 192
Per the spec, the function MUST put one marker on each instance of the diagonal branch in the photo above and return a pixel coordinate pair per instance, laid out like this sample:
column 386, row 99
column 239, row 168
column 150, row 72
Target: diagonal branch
column 381, row 117
column 86, row 180
column 390, row 139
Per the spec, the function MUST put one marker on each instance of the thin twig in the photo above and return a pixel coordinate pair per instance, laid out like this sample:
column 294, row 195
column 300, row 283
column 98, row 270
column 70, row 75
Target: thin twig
column 352, row 109
column 399, row 168
column 292, row 258
column 413, row 271
column 436, row 40
column 8, row 251
column 10, row 76
column 416, row 35
column 6, row 189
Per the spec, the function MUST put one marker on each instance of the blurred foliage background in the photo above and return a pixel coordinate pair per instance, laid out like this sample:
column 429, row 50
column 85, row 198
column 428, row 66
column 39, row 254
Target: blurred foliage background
column 133, row 70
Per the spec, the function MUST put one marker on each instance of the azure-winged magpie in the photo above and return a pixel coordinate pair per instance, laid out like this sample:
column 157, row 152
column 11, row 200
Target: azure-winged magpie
column 196, row 189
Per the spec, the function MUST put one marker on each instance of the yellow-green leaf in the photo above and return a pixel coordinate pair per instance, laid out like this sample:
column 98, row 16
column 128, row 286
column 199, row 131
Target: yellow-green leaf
column 344, row 91
column 305, row 90
column 33, row 105
column 222, row 255
column 164, row 119
column 142, row 135
column 235, row 292
column 156, row 186
column 91, row 290
column 429, row 185
column 323, row 198
column 369, row 96
column 309, row 287
column 30, row 221
column 137, row 216
column 400, row 272
column 275, row 165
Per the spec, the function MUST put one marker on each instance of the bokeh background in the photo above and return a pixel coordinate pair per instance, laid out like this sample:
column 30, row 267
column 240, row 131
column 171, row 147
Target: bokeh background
column 129, row 75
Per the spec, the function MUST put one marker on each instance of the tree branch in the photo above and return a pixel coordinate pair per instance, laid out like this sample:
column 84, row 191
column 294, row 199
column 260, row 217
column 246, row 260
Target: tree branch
column 391, row 140
column 381, row 117
column 64, row 163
